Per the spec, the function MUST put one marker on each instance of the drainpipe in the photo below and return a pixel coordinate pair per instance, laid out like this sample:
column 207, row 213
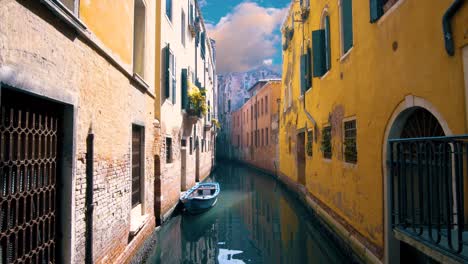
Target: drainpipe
column 446, row 24
column 89, row 196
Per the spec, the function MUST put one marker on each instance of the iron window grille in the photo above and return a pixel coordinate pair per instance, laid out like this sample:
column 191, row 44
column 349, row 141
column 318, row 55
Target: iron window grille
column 326, row 142
column 350, row 148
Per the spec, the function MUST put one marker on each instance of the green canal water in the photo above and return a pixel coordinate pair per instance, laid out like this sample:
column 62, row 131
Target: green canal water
column 254, row 221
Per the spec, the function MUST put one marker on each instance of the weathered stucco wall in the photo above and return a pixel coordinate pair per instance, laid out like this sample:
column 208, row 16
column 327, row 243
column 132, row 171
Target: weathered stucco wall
column 402, row 54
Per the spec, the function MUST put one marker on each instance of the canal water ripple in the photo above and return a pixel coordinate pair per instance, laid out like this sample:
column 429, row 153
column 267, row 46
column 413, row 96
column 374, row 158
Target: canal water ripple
column 255, row 221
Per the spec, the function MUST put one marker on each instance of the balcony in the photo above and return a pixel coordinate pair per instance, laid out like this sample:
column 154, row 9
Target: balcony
column 428, row 181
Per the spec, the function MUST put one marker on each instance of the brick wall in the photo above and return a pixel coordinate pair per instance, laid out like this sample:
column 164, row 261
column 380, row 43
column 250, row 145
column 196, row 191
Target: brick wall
column 43, row 56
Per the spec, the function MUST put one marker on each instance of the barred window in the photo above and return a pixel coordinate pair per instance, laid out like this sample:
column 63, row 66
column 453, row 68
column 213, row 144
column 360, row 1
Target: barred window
column 326, row 142
column 350, row 150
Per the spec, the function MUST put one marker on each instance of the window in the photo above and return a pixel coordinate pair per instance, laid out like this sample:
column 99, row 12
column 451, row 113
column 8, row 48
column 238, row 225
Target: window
column 247, row 139
column 170, row 78
column 169, row 9
column 139, row 28
column 191, row 13
column 306, row 71
column 346, row 14
column 191, row 146
column 379, row 7
column 326, row 142
column 289, row 145
column 350, row 150
column 229, row 105
column 266, row 104
column 321, row 48
column 251, row 112
column 182, row 31
column 266, row 136
column 168, row 150
column 263, row 137
column 310, row 141
column 137, row 156
column 261, row 107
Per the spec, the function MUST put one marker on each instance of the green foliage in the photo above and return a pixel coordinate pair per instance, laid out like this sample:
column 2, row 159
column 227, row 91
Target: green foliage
column 216, row 123
column 197, row 101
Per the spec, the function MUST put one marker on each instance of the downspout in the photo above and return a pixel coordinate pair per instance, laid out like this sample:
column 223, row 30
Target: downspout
column 89, row 196
column 446, row 24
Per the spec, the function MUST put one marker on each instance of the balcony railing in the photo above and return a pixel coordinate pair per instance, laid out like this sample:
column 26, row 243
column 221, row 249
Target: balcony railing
column 428, row 180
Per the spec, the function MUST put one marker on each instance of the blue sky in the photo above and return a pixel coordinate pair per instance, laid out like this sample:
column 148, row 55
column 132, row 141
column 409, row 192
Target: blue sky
column 247, row 32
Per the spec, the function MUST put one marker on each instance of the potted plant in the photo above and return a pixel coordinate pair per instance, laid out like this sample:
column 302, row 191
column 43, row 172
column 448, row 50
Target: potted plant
column 197, row 102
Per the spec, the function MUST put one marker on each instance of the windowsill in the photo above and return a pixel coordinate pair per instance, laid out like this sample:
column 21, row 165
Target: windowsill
column 308, row 91
column 349, row 165
column 325, row 75
column 65, row 14
column 327, row 160
column 140, row 81
column 169, row 165
column 168, row 101
column 346, row 55
column 137, row 220
column 390, row 11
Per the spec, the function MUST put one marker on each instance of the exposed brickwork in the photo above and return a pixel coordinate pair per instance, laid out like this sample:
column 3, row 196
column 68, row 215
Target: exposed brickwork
column 40, row 54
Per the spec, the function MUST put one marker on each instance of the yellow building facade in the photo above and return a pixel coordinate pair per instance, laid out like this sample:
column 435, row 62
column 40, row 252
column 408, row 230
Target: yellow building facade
column 383, row 67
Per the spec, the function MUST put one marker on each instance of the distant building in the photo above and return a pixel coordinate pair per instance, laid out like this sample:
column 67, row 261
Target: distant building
column 254, row 133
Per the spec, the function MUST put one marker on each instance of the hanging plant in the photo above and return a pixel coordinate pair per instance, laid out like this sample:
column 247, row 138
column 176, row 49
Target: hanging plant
column 216, row 123
column 197, row 101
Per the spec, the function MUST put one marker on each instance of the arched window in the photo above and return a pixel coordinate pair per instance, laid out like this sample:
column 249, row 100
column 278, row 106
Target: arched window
column 321, row 45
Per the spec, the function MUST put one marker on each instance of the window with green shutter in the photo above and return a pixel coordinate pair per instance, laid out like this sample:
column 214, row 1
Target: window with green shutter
column 169, row 9
column 303, row 74
column 170, row 79
column 184, row 88
column 308, row 68
column 202, row 42
column 347, row 25
column 376, row 10
column 318, row 50
column 327, row 43
column 167, row 83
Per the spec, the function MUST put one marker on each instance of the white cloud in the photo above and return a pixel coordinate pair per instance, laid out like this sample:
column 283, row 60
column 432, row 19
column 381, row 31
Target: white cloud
column 246, row 37
column 268, row 62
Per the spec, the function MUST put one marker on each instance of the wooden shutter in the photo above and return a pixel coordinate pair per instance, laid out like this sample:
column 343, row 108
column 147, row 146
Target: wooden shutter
column 202, row 42
column 174, row 79
column 376, row 10
column 328, row 43
column 347, row 17
column 318, row 48
column 136, row 165
column 167, row 54
column 184, row 89
column 303, row 74
column 308, row 68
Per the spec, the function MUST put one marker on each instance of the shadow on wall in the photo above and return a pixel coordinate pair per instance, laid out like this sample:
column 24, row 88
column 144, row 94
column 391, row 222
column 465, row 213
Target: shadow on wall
column 157, row 189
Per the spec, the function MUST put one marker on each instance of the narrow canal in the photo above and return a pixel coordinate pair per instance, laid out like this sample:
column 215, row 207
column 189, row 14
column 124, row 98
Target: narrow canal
column 255, row 221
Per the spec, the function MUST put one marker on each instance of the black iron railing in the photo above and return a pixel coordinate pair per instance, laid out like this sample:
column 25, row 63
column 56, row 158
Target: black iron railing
column 427, row 186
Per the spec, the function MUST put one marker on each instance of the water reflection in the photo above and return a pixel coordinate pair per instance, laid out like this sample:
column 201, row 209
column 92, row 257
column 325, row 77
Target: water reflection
column 254, row 221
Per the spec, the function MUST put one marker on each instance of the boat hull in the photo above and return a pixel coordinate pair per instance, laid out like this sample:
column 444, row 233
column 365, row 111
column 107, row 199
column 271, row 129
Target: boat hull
column 201, row 197
column 200, row 206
